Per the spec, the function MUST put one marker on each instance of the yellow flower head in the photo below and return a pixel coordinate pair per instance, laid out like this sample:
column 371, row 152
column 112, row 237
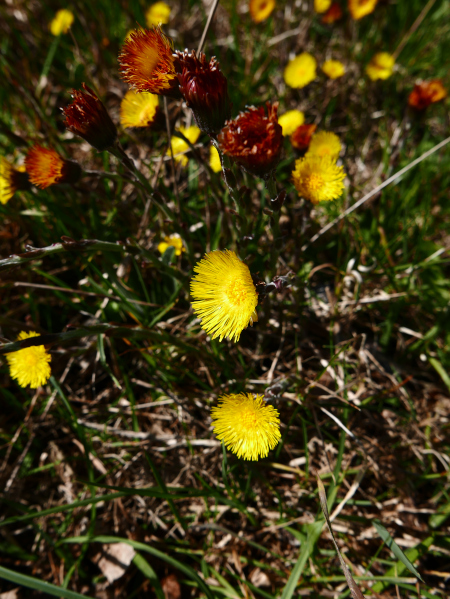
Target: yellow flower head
column 381, row 66
column 260, row 10
column 214, row 160
column 300, row 71
column 11, row 180
column 360, row 8
column 321, row 6
column 138, row 110
column 224, row 293
column 158, row 14
column 30, row 366
column 62, row 22
column 247, row 425
column 333, row 69
column 318, row 179
column 325, row 143
column 172, row 241
column 290, row 120
column 179, row 145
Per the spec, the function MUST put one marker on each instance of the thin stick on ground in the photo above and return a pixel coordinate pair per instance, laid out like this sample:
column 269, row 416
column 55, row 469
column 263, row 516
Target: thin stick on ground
column 375, row 191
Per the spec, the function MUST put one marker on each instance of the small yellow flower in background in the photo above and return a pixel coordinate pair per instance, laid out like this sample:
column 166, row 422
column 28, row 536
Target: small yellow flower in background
column 333, row 69
column 179, row 145
column 260, row 10
column 11, row 180
column 62, row 22
column 300, row 71
column 214, row 160
column 29, row 366
column 290, row 120
column 138, row 110
column 321, row 6
column 158, row 14
column 224, row 293
column 318, row 179
column 325, row 143
column 360, row 8
column 247, row 425
column 173, row 240
column 381, row 66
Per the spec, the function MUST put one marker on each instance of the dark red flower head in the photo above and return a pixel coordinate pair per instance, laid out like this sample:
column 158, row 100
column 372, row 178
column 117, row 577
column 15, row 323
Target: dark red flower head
column 205, row 90
column 301, row 138
column 334, row 13
column 426, row 93
column 254, row 140
column 88, row 118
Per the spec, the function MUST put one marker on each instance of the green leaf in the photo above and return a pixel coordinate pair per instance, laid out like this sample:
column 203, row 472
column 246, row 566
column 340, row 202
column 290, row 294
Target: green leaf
column 384, row 534
column 440, row 370
column 38, row 585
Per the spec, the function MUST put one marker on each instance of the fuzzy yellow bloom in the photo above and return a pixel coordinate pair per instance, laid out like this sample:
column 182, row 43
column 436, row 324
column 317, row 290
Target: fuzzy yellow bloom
column 325, row 143
column 224, row 293
column 322, row 6
column 11, row 180
column 290, row 120
column 62, row 22
column 360, row 8
column 333, row 69
column 260, row 10
column 300, row 71
column 138, row 110
column 173, row 240
column 214, row 160
column 29, row 366
column 179, row 145
column 158, row 14
column 318, row 179
column 381, row 66
column 247, row 425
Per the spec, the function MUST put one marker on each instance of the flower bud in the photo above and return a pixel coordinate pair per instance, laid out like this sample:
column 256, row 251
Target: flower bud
column 46, row 167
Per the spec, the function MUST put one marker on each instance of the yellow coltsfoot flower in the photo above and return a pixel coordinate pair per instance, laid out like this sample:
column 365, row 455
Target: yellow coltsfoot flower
column 62, row 22
column 158, row 14
column 333, row 69
column 11, row 180
column 300, row 71
column 30, row 366
column 381, row 66
column 290, row 121
column 179, row 145
column 318, row 179
column 225, row 297
column 173, row 240
column 360, row 8
column 138, row 110
column 214, row 160
column 325, row 143
column 260, row 10
column 247, row 425
column 321, row 6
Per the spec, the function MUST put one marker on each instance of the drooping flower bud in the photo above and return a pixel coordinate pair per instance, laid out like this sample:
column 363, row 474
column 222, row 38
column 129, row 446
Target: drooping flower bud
column 88, row 118
column 205, row 90
column 46, row 167
column 254, row 140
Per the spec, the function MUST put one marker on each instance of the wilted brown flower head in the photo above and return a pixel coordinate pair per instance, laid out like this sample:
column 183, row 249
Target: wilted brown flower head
column 334, row 13
column 46, row 167
column 205, row 90
column 301, row 138
column 254, row 140
column 426, row 93
column 146, row 62
column 88, row 118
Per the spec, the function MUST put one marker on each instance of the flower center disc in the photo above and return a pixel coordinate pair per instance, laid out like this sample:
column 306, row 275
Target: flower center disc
column 248, row 420
column 236, row 293
column 314, row 182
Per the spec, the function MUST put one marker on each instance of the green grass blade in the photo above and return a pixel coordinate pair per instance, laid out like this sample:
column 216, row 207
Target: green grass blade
column 38, row 585
column 146, row 569
column 384, row 534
